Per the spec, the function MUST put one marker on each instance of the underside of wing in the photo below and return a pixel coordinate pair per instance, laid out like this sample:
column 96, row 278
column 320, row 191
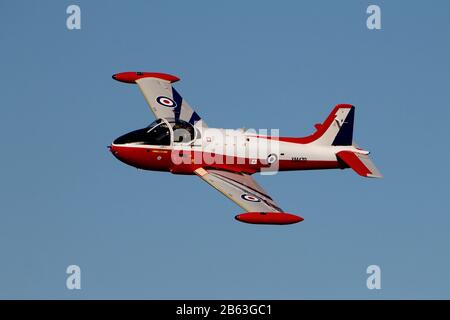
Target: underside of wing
column 164, row 101
column 249, row 195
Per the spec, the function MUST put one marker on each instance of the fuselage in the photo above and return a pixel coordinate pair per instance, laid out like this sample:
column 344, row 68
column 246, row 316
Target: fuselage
column 179, row 148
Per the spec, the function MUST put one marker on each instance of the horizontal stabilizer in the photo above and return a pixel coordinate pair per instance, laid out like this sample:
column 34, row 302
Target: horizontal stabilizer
column 360, row 163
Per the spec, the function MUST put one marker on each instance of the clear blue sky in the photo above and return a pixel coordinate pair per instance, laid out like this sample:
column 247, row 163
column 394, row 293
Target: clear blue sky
column 139, row 234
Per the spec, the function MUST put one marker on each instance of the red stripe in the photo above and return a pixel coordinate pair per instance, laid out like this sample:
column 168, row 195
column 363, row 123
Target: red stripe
column 352, row 160
column 321, row 129
column 147, row 158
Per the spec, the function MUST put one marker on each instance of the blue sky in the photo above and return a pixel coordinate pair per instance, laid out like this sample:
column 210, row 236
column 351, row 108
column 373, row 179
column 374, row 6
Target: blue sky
column 147, row 235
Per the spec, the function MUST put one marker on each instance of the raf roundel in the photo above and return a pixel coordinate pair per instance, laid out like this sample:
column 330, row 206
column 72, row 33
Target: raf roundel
column 166, row 102
column 272, row 158
column 251, row 198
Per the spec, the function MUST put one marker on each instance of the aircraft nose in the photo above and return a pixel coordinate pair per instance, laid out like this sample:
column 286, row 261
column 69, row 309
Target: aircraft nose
column 112, row 149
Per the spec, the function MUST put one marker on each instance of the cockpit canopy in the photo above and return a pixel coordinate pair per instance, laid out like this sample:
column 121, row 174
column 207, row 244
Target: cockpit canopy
column 161, row 132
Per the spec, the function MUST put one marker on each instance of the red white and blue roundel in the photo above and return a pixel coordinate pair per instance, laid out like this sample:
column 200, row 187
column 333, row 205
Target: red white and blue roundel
column 166, row 102
column 250, row 197
column 272, row 158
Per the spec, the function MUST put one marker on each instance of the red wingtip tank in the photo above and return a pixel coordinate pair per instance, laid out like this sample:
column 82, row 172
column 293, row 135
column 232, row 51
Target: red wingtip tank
column 131, row 77
column 279, row 218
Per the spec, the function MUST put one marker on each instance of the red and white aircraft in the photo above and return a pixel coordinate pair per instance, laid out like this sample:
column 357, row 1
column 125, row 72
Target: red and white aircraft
column 180, row 142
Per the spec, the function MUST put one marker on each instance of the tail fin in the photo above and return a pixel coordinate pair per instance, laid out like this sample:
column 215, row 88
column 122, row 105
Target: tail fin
column 337, row 130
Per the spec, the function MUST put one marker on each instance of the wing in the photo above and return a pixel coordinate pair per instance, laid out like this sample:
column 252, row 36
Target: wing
column 241, row 189
column 161, row 96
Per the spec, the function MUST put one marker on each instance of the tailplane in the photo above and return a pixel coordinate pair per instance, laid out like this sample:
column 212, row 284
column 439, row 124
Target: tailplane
column 360, row 163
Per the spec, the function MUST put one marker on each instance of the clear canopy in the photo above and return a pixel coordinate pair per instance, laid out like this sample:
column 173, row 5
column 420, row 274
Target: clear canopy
column 159, row 133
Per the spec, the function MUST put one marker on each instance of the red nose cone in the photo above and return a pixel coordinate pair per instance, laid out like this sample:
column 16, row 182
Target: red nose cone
column 112, row 148
column 268, row 218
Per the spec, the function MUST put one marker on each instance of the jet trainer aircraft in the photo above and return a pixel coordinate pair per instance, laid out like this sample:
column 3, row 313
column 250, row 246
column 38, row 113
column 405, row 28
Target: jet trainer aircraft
column 180, row 142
